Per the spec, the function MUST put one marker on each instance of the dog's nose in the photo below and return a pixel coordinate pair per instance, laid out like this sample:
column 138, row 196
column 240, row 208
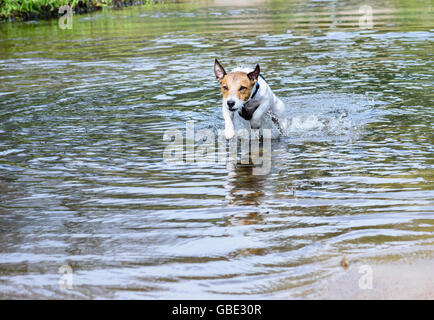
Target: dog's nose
column 230, row 103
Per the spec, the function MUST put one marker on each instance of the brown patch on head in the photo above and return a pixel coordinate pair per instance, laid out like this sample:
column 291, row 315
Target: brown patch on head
column 238, row 84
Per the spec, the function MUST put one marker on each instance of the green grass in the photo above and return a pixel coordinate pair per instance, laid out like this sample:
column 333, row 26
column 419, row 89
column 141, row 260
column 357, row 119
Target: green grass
column 37, row 9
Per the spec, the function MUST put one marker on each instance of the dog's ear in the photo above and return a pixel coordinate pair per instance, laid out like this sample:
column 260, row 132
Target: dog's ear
column 219, row 70
column 254, row 74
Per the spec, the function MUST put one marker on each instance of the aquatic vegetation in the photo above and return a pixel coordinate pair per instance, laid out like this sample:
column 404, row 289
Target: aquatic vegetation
column 43, row 9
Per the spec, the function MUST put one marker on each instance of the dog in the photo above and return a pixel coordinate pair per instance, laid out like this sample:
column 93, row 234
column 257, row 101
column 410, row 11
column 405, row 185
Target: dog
column 245, row 91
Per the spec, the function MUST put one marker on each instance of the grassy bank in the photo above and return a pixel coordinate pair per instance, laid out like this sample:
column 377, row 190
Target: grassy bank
column 44, row 9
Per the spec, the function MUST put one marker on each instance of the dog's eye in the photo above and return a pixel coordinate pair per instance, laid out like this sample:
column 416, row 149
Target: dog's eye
column 225, row 88
column 242, row 88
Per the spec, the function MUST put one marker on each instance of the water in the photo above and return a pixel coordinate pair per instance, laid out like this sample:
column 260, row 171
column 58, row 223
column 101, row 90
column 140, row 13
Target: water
column 82, row 177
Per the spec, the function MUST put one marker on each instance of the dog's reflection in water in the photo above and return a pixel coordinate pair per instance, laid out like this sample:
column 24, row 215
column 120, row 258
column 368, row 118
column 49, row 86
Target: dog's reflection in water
column 245, row 189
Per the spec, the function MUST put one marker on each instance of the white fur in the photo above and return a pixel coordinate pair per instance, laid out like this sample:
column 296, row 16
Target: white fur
column 265, row 99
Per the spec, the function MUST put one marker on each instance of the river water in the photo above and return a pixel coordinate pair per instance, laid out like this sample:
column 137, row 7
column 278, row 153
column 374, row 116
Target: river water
column 83, row 182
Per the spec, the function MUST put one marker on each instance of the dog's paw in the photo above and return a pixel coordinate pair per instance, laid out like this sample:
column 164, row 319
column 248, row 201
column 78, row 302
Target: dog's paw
column 284, row 124
column 255, row 124
column 229, row 134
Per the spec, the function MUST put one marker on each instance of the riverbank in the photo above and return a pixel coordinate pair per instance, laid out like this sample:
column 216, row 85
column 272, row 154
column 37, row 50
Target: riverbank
column 23, row 10
column 388, row 275
column 404, row 279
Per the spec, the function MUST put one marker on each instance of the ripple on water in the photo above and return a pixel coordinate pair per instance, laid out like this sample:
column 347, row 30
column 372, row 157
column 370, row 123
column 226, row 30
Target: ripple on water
column 83, row 181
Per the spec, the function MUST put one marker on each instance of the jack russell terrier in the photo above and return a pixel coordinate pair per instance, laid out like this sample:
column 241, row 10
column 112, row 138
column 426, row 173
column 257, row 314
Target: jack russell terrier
column 247, row 92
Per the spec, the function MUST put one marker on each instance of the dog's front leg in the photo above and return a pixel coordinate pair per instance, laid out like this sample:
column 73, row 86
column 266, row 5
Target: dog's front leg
column 256, row 120
column 229, row 123
column 279, row 111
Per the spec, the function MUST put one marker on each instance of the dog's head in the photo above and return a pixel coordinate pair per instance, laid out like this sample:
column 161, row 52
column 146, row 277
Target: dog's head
column 236, row 86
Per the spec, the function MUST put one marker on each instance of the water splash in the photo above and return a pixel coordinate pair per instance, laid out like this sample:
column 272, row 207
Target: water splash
column 323, row 117
column 327, row 116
